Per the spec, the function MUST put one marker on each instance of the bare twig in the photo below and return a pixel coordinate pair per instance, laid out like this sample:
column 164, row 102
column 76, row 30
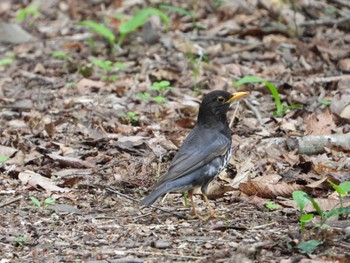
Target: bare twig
column 11, row 201
column 254, row 109
column 110, row 189
column 331, row 79
column 159, row 254
column 312, row 144
column 234, row 115
column 224, row 39
column 345, row 3
column 325, row 22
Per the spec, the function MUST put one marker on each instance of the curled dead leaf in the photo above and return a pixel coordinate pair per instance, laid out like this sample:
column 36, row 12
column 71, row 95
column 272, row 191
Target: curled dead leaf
column 35, row 179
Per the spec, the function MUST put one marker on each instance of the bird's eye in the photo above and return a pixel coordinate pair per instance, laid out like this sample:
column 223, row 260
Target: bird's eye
column 221, row 99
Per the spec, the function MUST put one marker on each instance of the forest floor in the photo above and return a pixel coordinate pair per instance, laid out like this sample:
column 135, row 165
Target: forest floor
column 86, row 131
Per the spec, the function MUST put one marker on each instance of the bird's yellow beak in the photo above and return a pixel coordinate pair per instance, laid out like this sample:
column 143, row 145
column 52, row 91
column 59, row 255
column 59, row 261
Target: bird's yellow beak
column 237, row 95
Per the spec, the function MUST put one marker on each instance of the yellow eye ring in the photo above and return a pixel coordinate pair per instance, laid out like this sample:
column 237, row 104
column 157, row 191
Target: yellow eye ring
column 221, row 99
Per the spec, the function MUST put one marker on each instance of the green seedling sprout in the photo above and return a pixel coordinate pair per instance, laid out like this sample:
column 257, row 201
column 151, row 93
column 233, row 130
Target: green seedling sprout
column 300, row 198
column 271, row 205
column 138, row 20
column 161, row 88
column 32, row 9
column 184, row 12
column 196, row 60
column 100, row 29
column 108, row 66
column 3, row 158
column 325, row 102
column 37, row 203
column 6, row 61
column 309, row 246
column 60, row 55
column 281, row 108
column 130, row 117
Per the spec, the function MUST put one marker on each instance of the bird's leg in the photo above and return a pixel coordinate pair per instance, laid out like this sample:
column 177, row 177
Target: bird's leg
column 210, row 209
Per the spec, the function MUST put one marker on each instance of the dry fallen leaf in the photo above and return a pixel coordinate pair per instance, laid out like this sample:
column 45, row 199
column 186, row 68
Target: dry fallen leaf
column 269, row 186
column 35, row 179
column 320, row 123
column 70, row 161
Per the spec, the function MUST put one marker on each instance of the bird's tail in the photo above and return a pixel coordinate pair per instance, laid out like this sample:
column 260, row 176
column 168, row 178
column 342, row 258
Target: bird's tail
column 154, row 195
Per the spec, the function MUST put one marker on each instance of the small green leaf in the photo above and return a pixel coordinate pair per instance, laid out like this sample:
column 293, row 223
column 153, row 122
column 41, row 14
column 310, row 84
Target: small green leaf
column 3, row 158
column 309, row 246
column 139, row 19
column 271, row 205
column 316, row 206
column 164, row 83
column 251, row 79
column 337, row 188
column 35, row 201
column 176, row 9
column 306, row 218
column 300, row 198
column 49, row 201
column 248, row 79
column 345, row 186
column 6, row 61
column 337, row 211
column 60, row 55
column 105, row 64
column 325, row 102
column 32, row 9
column 143, row 95
column 159, row 99
column 99, row 29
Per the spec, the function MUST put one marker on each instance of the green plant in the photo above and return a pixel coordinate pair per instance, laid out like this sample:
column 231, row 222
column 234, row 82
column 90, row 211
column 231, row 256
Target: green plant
column 325, row 102
column 271, row 205
column 281, row 108
column 62, row 55
column 3, row 158
column 6, row 61
column 38, row 204
column 32, row 9
column 182, row 12
column 177, row 10
column 138, row 20
column 108, row 66
column 196, row 61
column 309, row 246
column 100, row 29
column 185, row 194
column 302, row 198
column 160, row 88
column 129, row 117
column 143, row 95
column 342, row 189
column 20, row 240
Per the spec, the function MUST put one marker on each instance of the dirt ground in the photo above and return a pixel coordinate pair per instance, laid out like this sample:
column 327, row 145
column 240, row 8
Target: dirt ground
column 81, row 144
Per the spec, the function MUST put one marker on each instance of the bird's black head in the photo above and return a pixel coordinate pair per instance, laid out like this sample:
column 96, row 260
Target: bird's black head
column 215, row 105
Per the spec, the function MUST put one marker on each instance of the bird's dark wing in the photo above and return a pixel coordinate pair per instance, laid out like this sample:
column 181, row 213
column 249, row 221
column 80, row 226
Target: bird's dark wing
column 195, row 152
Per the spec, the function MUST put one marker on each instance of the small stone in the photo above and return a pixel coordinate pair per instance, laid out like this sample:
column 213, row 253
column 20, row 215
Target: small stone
column 161, row 244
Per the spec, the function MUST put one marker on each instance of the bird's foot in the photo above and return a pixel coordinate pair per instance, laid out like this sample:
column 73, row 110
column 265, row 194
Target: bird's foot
column 201, row 217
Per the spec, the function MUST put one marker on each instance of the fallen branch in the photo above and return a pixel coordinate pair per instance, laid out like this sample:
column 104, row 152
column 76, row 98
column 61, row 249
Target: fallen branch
column 313, row 144
column 325, row 22
column 331, row 79
column 224, row 40
column 11, row 201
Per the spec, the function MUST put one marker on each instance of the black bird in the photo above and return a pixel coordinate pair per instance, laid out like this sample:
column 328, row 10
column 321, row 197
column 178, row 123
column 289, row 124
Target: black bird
column 204, row 153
